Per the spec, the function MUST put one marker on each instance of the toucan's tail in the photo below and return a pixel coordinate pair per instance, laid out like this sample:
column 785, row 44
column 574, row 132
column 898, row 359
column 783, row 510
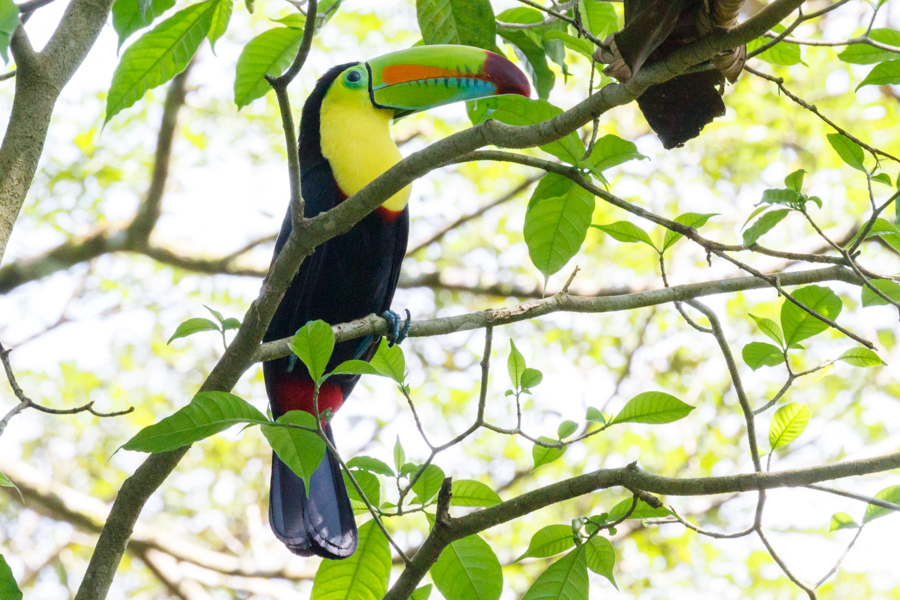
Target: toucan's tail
column 322, row 524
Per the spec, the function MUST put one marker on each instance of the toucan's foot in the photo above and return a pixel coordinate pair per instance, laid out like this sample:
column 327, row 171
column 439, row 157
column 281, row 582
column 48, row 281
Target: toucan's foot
column 397, row 332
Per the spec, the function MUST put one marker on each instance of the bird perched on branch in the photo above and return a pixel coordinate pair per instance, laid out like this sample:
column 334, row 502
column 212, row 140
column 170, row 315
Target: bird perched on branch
column 678, row 109
column 345, row 143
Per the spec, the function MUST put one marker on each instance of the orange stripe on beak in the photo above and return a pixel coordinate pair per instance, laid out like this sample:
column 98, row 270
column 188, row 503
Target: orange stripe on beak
column 392, row 74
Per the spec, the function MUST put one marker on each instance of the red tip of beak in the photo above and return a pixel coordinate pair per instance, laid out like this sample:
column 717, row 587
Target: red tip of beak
column 505, row 75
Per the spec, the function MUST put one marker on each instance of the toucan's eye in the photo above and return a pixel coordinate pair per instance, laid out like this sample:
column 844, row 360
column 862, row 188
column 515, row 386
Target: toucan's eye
column 353, row 76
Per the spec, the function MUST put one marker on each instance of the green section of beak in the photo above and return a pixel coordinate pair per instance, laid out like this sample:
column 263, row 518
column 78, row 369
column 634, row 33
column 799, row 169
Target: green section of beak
column 424, row 77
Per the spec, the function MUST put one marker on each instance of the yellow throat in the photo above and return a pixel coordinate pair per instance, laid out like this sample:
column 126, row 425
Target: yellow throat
column 356, row 141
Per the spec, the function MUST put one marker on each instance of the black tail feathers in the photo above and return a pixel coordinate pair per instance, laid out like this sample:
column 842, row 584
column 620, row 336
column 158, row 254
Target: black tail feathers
column 322, row 524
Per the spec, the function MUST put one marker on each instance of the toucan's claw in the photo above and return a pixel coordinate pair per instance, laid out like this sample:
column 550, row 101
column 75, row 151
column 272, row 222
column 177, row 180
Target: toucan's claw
column 397, row 333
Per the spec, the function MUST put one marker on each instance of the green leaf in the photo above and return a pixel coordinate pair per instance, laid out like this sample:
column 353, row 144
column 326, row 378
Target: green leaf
column 770, row 328
column 421, row 593
column 129, row 16
column 429, row 483
column 216, row 314
column 595, row 415
column 219, row 24
column 390, row 361
column 641, row 511
column 231, row 323
column 399, row 455
column 882, row 178
column 794, row 181
column 9, row 589
column 9, row 21
column 888, row 494
column 798, row 324
column 887, row 231
column 159, row 55
column 530, row 47
column 468, row 570
column 760, row 354
column 842, row 520
column 515, row 365
column 371, row 487
column 543, row 455
column 861, row 357
column 192, row 326
column 548, row 541
column 763, row 225
column 690, row 219
column 601, row 557
column 782, row 196
column 886, row 73
column 849, row 151
column 863, row 54
column 566, row 579
column 782, row 53
column 556, row 222
column 624, row 231
column 566, row 428
column 362, row 576
column 356, row 367
column 468, row 492
column 598, row 17
column 269, row 53
column 313, row 345
column 373, row 465
column 301, row 450
column 465, row 22
column 531, row 378
column 207, row 414
column 787, row 424
column 653, row 408
column 889, row 288
column 610, row 151
column 580, row 45
column 518, row 110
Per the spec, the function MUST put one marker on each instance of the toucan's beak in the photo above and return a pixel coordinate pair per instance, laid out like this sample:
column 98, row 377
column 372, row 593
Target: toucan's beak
column 424, row 77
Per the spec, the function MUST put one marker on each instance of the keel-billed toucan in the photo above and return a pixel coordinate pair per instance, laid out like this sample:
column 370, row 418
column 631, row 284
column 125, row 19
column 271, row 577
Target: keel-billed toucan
column 345, row 143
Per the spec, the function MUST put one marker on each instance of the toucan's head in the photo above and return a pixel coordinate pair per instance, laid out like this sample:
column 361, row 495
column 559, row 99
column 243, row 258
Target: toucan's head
column 423, row 77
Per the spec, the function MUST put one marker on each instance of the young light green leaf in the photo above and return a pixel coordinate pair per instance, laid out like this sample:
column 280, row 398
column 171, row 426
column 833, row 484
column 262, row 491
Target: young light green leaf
column 543, row 455
column 313, row 345
column 362, row 576
column 782, row 53
column 782, row 196
column 129, row 16
column 399, row 455
column 219, row 24
column 9, row 589
column 530, row 47
column 9, row 21
column 566, row 579
column 356, row 367
column 5, row 482
column 216, row 314
column 842, row 520
column 515, row 365
column 556, row 222
column 888, row 494
column 770, row 328
column 601, row 557
column 787, row 424
column 548, row 541
column 610, row 151
column 624, row 231
column 690, row 219
column 761, row 354
column 598, row 17
column 531, row 378
column 566, row 428
column 794, row 181
column 849, row 151
column 269, row 53
column 207, row 414
column 641, row 511
column 300, row 449
column 421, row 593
column 580, row 45
column 465, row 22
column 468, row 492
column 886, row 73
column 763, row 225
column 595, row 415
column 159, row 55
column 371, row 487
column 468, row 570
column 864, row 54
column 887, row 231
column 192, row 326
column 798, row 324
column 373, row 465
column 390, row 361
column 882, row 178
column 428, row 484
column 654, row 408
column 231, row 323
column 889, row 288
column 861, row 357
